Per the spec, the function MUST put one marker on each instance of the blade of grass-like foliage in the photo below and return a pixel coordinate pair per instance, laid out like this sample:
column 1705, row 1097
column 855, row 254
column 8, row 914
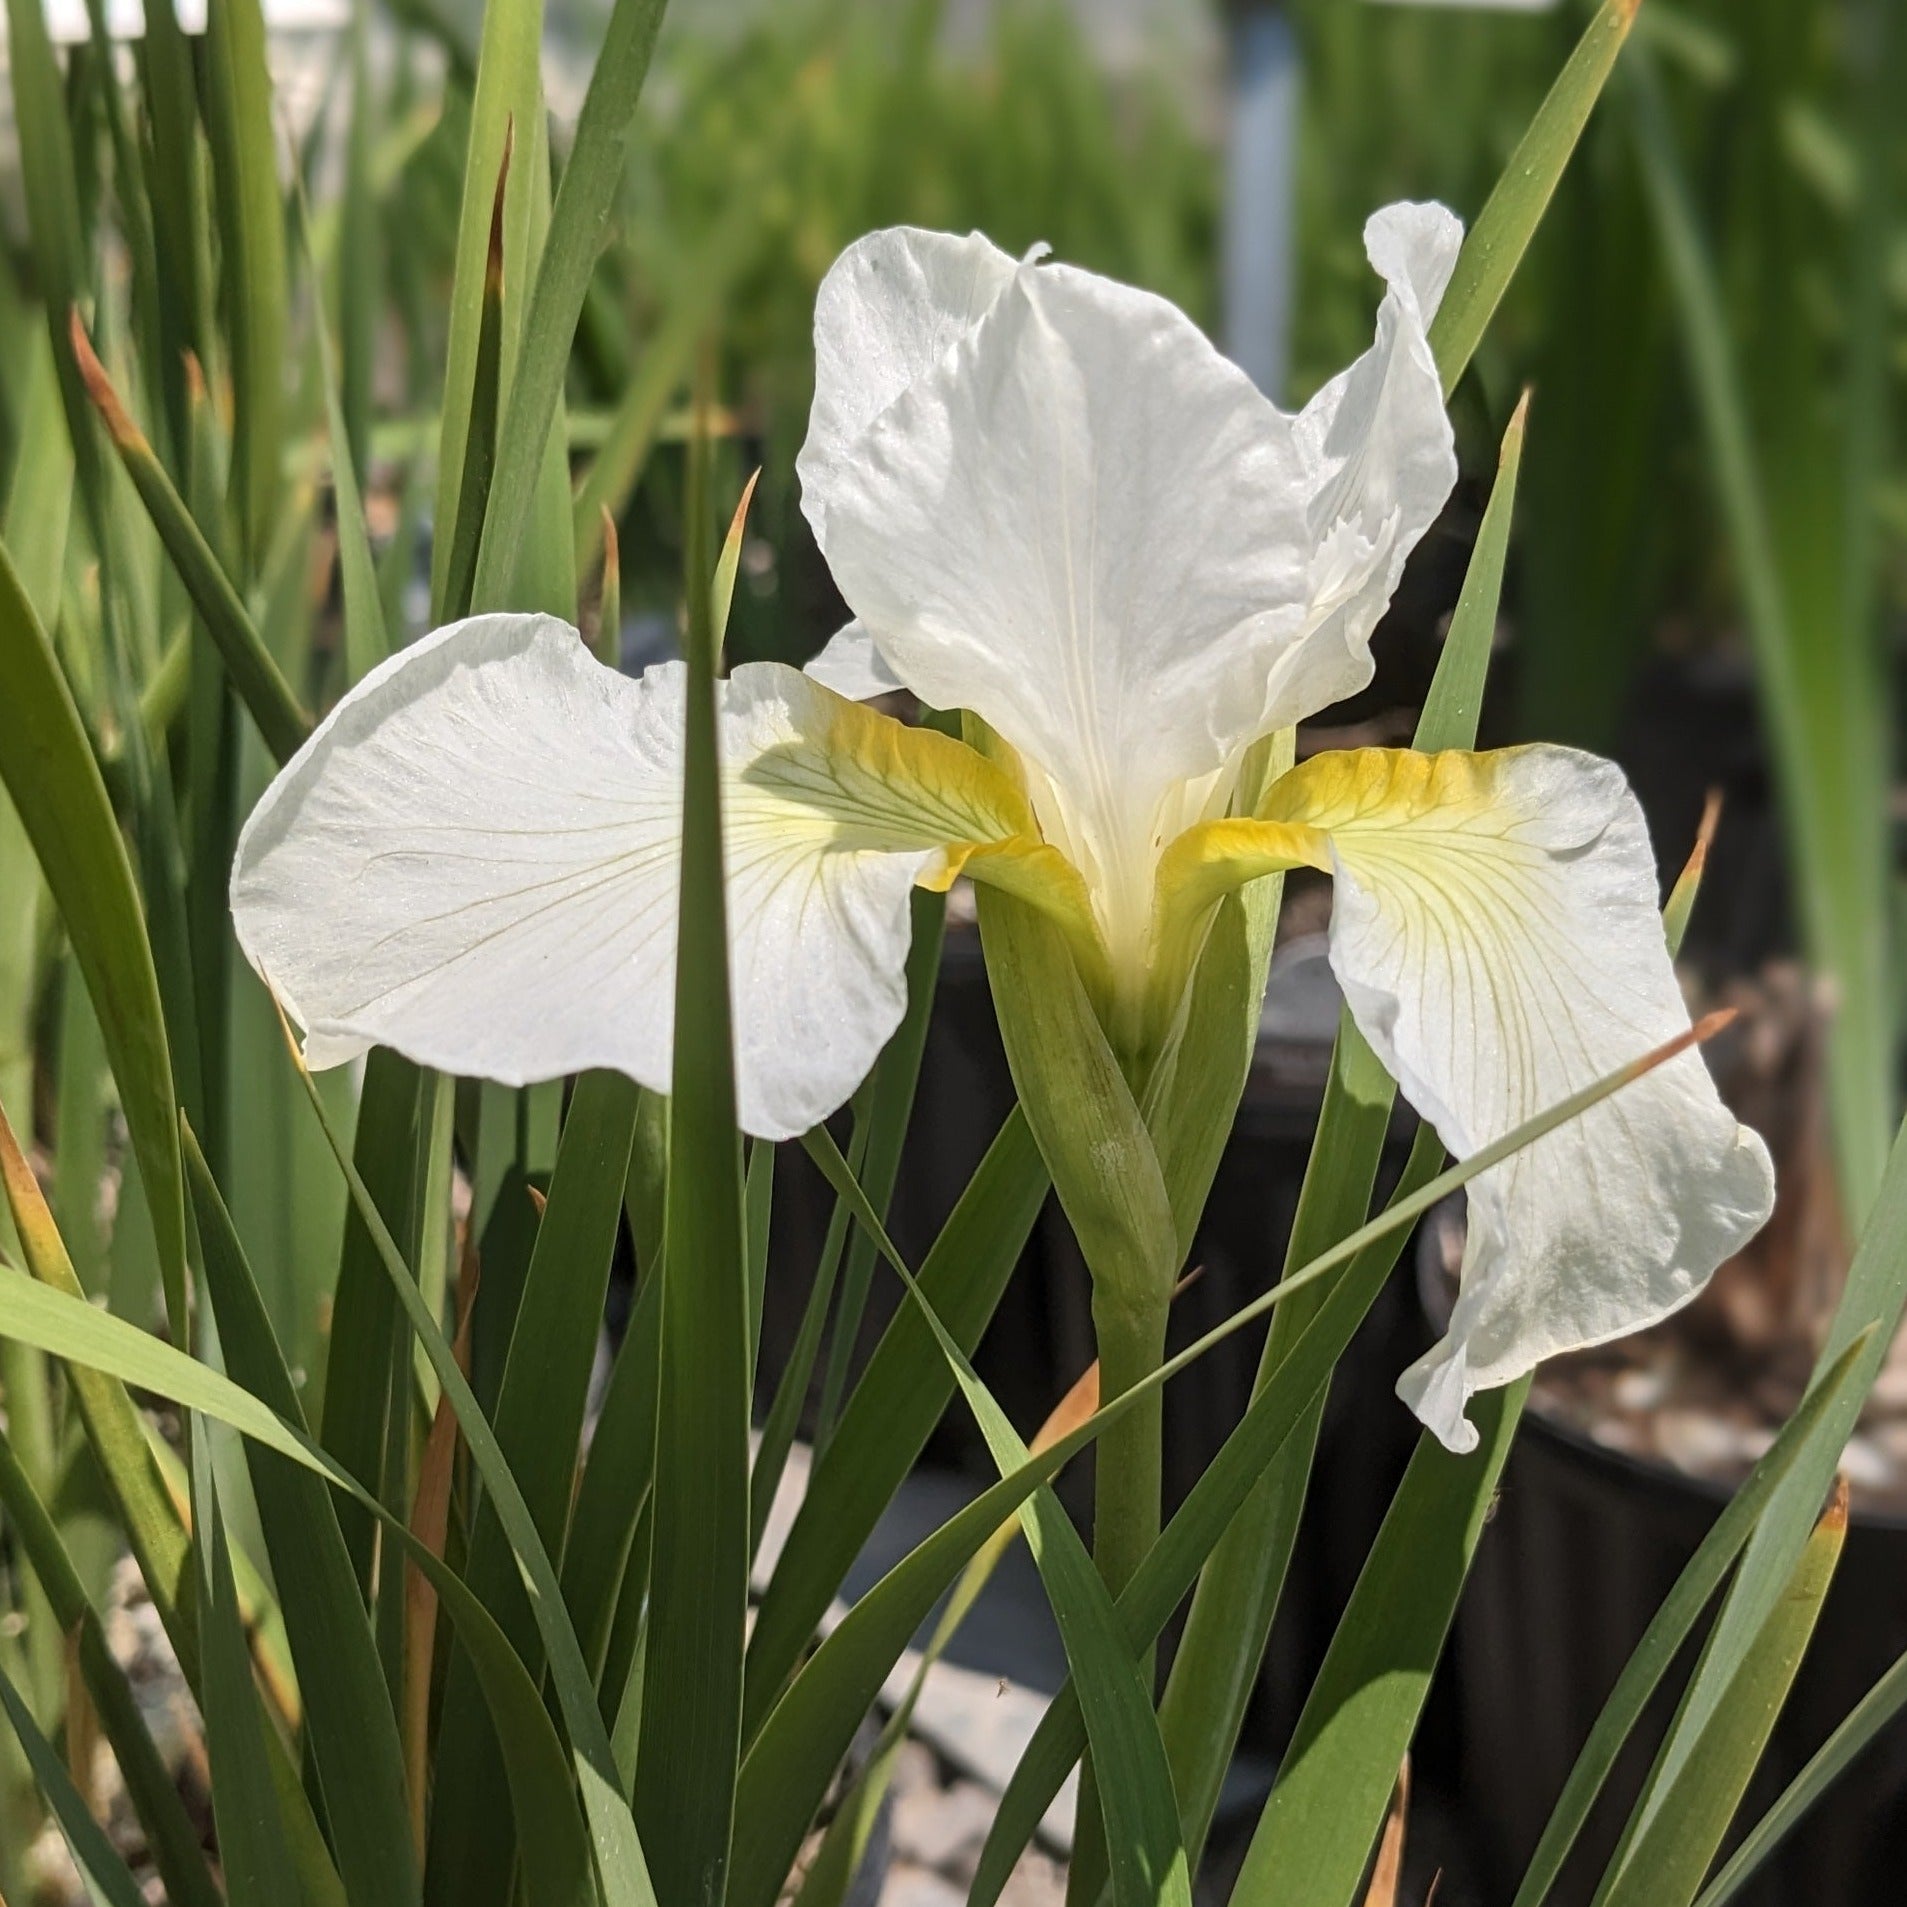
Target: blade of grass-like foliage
column 254, row 671
column 147, row 1514
column 255, row 1855
column 1663, row 1865
column 486, row 397
column 1509, row 219
column 1281, row 1407
column 365, row 1363
column 883, row 1116
column 615, row 1485
column 696, row 294
column 1217, row 1663
column 238, row 101
column 621, row 1869
column 578, row 221
column 1145, row 1854
column 1866, row 1319
column 366, row 640
column 1314, row 1838
column 1875, row 1710
column 40, row 492
column 895, row 1407
column 176, row 191
column 350, row 1728
column 61, row 254
column 48, row 768
column 690, row 1742
column 845, row 1843
column 538, row 1418
column 107, row 1878
column 556, row 1848
column 792, row 1757
column 1671, row 1624
column 505, row 109
column 154, row 1794
column 1818, row 686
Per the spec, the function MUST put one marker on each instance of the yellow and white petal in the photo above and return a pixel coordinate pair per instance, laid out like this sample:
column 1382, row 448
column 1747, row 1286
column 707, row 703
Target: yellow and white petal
column 850, row 665
column 1085, row 525
column 476, row 859
column 1497, row 933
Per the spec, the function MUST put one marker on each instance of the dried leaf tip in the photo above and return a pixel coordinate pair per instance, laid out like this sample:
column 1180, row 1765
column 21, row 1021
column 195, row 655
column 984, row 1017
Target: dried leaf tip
column 1710, row 1024
column 493, row 263
column 99, row 387
column 1834, row 1518
column 1626, row 12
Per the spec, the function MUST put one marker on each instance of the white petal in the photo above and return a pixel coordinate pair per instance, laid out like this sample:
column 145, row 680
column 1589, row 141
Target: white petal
column 1379, row 456
column 476, row 859
column 1497, row 933
column 891, row 306
column 850, row 665
column 1085, row 525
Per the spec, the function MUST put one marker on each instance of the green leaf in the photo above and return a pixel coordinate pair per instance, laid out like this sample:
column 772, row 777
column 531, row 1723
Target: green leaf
column 350, row 1726
column 147, row 1513
column 895, row 1407
column 480, row 431
column 1663, row 1864
column 1672, row 1623
column 254, row 672
column 584, row 199
column 792, row 1757
column 1146, row 1856
column 1283, row 1406
column 507, row 108
column 106, row 1876
column 1515, row 208
column 366, row 1364
column 539, row 1423
column 238, row 116
column 698, row 1583
column 1317, row 1830
column 49, row 770
column 620, row 1867
column 556, row 1848
column 1864, row 1324
column 255, row 1855
column 1875, row 1710
column 170, row 1832
column 366, row 640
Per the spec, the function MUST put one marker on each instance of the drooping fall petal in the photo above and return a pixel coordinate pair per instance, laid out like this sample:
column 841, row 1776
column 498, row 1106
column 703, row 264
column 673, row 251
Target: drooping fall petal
column 476, row 857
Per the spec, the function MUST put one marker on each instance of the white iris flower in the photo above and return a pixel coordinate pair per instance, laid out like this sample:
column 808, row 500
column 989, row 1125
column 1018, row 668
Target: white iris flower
column 1051, row 503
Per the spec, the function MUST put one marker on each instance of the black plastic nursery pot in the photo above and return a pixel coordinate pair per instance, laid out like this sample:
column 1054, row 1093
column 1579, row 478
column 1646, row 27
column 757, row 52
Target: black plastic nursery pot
column 1583, row 1545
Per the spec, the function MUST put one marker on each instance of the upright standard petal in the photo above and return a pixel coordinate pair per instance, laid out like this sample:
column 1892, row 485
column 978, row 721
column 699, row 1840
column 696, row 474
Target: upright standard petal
column 891, row 306
column 476, row 860
column 1379, row 456
column 1086, row 526
column 1497, row 933
column 850, row 665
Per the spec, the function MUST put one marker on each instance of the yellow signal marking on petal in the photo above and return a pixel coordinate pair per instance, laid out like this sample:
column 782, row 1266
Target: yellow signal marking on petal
column 873, row 783
column 1371, row 788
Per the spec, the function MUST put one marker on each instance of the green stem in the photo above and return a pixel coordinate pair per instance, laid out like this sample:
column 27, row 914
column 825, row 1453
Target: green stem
column 1129, row 1326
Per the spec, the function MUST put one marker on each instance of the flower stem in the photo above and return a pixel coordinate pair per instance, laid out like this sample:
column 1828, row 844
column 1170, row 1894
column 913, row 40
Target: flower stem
column 1130, row 1328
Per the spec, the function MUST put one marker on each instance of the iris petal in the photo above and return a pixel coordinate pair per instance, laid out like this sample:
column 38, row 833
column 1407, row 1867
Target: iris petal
column 1497, row 933
column 476, row 857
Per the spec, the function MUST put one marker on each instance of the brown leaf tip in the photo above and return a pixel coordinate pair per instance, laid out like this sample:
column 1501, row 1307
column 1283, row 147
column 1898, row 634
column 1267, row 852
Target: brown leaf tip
column 1834, row 1517
column 99, row 387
